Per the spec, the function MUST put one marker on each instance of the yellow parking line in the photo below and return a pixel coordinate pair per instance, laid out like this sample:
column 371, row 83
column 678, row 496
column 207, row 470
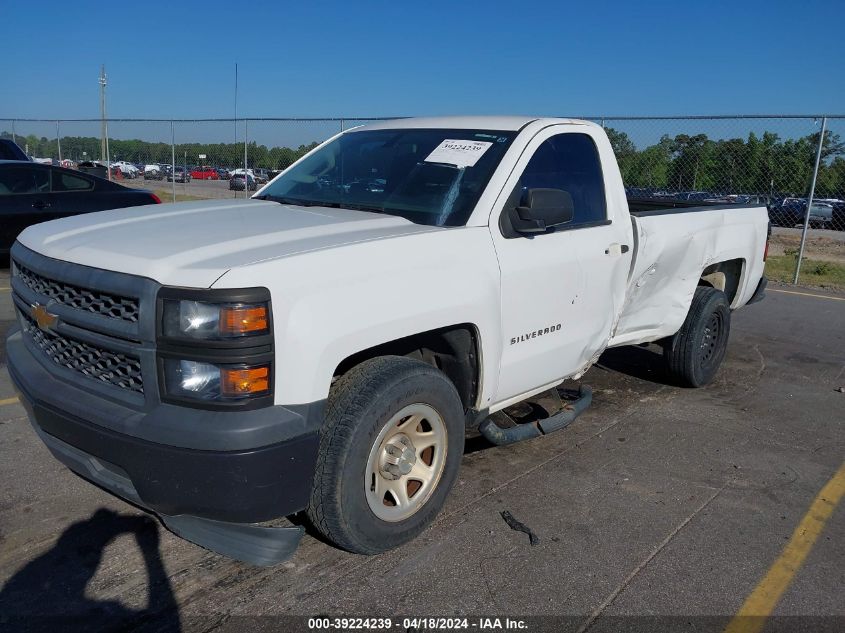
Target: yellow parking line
column 2, row 289
column 759, row 605
column 807, row 294
column 12, row 400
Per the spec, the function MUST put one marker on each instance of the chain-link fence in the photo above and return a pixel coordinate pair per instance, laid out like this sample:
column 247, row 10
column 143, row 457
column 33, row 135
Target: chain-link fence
column 794, row 165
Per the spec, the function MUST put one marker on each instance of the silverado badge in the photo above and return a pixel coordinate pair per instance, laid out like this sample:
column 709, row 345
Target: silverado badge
column 45, row 320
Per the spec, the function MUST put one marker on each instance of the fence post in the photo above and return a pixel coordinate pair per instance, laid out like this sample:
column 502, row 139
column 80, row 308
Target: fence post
column 14, row 137
column 246, row 173
column 810, row 201
column 173, row 159
column 59, row 141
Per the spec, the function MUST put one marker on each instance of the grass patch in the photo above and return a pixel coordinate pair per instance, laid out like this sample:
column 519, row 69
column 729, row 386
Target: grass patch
column 813, row 272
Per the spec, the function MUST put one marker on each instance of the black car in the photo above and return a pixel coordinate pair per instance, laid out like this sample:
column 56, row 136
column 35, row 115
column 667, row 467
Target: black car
column 31, row 193
column 838, row 220
column 787, row 212
column 179, row 174
column 9, row 150
column 236, row 183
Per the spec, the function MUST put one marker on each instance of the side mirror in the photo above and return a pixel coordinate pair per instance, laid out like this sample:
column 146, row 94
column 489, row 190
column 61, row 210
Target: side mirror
column 544, row 209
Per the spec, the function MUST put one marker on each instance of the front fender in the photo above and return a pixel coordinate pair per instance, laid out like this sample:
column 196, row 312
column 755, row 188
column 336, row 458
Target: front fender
column 333, row 303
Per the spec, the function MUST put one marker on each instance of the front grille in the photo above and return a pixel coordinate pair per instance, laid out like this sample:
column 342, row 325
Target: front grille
column 114, row 306
column 120, row 370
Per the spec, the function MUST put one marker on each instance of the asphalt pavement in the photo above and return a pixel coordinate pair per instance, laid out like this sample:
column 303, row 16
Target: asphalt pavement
column 213, row 189
column 660, row 507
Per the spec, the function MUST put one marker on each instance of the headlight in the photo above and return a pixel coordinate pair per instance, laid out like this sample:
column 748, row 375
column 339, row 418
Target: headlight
column 214, row 321
column 207, row 381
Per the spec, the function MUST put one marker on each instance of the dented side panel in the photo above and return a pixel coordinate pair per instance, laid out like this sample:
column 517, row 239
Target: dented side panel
column 672, row 252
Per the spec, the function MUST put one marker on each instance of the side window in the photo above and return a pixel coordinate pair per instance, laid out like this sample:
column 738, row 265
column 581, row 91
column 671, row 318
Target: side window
column 62, row 181
column 569, row 162
column 23, row 180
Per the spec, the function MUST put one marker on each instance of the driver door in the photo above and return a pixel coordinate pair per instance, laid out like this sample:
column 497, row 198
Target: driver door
column 561, row 289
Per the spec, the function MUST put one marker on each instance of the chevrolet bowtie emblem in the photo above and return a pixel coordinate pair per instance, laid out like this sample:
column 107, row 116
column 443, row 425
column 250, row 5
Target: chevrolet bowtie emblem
column 44, row 319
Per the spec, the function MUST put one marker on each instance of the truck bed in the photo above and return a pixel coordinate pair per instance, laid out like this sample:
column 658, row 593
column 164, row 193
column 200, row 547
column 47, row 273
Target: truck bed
column 642, row 207
column 674, row 241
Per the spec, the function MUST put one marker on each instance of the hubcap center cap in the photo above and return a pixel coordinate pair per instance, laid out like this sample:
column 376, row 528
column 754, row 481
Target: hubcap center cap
column 397, row 457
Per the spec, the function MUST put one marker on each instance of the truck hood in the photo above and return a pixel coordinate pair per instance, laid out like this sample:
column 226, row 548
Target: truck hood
column 194, row 243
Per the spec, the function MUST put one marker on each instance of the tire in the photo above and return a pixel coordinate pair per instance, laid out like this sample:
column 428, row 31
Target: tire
column 693, row 355
column 371, row 411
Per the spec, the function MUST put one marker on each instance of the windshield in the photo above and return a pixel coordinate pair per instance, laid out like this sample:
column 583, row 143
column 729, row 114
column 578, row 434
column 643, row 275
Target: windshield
column 429, row 176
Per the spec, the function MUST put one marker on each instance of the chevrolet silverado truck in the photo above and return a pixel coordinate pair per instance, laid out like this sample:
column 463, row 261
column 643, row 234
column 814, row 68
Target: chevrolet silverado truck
column 327, row 344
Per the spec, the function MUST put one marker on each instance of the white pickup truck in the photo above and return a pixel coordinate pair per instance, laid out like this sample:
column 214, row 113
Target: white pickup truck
column 325, row 345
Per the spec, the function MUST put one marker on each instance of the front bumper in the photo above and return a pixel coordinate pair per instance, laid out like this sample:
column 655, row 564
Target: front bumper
column 206, row 496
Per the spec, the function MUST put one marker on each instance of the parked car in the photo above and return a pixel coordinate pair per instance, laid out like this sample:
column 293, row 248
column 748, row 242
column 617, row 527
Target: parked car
column 223, row 173
column 261, row 176
column 838, row 221
column 327, row 349
column 127, row 169
column 240, row 171
column 153, row 172
column 31, row 193
column 236, row 183
column 821, row 215
column 204, row 173
column 787, row 212
column 9, row 150
column 179, row 174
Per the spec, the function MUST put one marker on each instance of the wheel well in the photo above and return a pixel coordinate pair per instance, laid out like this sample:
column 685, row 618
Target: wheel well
column 724, row 276
column 453, row 350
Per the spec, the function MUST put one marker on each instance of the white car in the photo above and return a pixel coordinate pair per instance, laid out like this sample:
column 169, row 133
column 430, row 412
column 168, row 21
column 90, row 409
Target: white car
column 127, row 169
column 240, row 172
column 153, row 172
column 325, row 345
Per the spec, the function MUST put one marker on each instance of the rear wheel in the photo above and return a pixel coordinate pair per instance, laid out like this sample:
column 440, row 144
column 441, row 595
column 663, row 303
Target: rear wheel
column 390, row 449
column 694, row 354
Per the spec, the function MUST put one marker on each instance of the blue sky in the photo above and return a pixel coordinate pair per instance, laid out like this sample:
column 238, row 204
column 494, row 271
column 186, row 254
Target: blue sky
column 422, row 58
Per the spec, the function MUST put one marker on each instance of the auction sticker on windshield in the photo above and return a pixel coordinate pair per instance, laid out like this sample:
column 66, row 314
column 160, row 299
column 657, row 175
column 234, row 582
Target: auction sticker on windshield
column 458, row 152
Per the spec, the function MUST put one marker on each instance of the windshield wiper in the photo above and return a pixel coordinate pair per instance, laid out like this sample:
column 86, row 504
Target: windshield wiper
column 354, row 206
column 321, row 203
column 284, row 200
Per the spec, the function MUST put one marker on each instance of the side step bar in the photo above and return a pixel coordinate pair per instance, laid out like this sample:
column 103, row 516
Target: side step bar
column 570, row 410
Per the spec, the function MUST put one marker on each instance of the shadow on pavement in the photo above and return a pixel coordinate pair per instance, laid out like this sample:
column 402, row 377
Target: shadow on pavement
column 49, row 592
column 643, row 362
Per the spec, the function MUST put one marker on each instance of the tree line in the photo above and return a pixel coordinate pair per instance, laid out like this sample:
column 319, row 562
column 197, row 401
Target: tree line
column 763, row 164
column 766, row 164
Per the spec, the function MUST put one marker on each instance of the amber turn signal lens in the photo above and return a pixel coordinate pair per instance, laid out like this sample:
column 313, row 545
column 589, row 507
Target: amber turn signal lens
column 235, row 320
column 244, row 382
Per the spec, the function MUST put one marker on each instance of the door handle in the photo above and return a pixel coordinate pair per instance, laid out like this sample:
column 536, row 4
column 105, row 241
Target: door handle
column 616, row 249
column 40, row 205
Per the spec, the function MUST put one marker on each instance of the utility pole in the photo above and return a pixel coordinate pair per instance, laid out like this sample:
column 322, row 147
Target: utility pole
column 104, row 127
column 810, row 201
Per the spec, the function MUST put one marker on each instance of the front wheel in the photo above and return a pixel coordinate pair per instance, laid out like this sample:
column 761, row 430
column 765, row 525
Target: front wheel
column 390, row 450
column 694, row 354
